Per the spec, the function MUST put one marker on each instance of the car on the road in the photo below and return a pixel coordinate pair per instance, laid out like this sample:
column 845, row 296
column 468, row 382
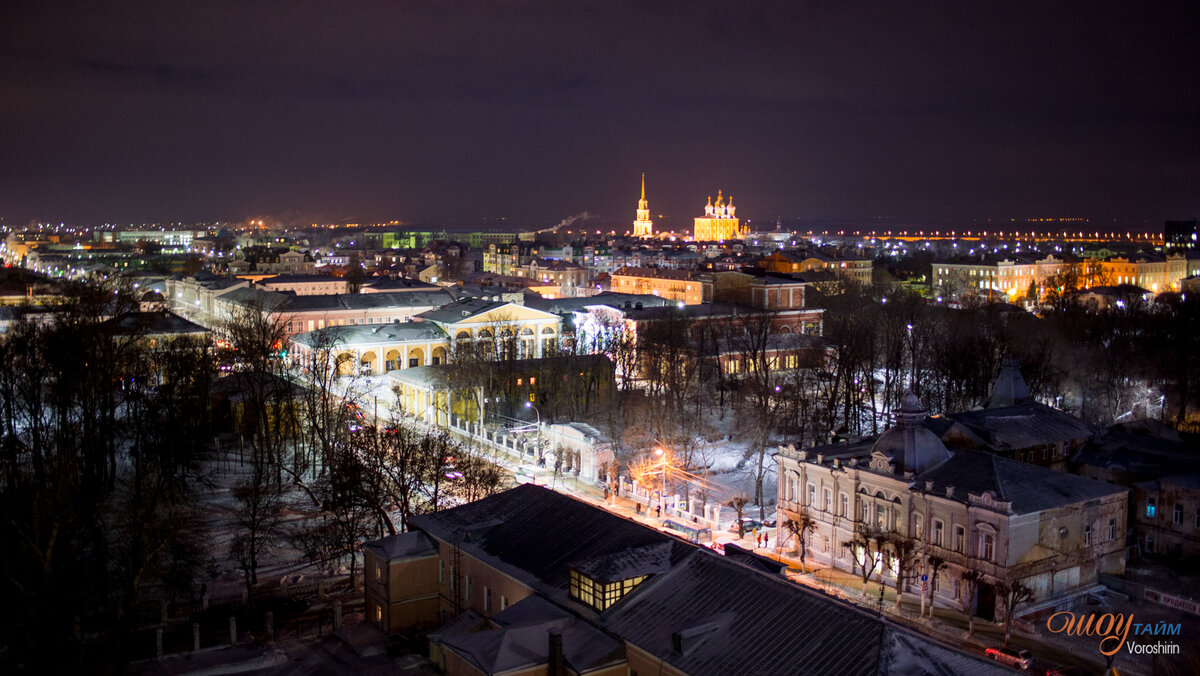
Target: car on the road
column 1020, row 659
column 526, row 475
column 748, row 525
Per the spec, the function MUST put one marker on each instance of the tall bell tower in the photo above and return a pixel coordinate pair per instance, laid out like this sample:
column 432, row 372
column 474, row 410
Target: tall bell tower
column 643, row 226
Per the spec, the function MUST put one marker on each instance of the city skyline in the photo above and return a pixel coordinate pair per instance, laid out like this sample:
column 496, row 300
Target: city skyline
column 143, row 112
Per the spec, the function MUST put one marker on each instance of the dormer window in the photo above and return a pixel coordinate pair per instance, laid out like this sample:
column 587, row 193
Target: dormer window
column 601, row 595
column 602, row 581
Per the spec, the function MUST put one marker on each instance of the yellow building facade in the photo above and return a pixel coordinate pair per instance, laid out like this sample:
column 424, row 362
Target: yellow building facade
column 719, row 222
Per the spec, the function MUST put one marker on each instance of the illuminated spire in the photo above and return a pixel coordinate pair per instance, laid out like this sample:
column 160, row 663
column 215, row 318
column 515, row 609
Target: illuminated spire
column 643, row 226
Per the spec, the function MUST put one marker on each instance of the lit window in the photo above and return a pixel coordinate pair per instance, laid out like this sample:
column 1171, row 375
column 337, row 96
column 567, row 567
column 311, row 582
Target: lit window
column 1151, row 508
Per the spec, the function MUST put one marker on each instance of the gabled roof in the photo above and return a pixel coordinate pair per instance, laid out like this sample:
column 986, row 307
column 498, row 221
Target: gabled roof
column 470, row 308
column 402, row 545
column 1029, row 488
column 300, row 279
column 398, row 332
column 401, row 284
column 368, row 301
column 1023, row 425
column 521, row 640
column 532, row 536
column 155, row 324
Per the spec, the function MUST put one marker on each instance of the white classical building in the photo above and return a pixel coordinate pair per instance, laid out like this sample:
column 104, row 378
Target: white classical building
column 973, row 511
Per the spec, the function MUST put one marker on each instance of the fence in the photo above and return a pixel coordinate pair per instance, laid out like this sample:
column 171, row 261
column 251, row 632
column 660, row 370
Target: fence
column 271, row 612
column 707, row 516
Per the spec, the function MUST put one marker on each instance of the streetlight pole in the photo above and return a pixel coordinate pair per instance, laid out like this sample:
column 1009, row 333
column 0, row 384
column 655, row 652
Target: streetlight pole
column 538, row 439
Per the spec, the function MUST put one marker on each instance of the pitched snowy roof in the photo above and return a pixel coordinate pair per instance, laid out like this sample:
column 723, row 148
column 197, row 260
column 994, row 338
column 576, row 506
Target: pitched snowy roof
column 1029, row 488
column 1022, row 425
column 401, row 545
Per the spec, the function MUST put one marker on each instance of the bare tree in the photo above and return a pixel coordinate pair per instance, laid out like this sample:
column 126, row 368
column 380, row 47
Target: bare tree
column 971, row 579
column 1014, row 595
column 799, row 528
column 866, row 546
column 903, row 551
column 935, row 565
column 738, row 503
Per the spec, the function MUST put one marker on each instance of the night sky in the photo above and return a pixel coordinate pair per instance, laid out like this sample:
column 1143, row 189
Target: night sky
column 455, row 112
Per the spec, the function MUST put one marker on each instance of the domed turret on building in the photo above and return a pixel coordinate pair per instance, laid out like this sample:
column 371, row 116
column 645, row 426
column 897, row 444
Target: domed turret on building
column 909, row 446
column 719, row 222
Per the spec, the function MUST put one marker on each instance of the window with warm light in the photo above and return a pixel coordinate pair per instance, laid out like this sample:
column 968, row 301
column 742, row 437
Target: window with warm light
column 599, row 595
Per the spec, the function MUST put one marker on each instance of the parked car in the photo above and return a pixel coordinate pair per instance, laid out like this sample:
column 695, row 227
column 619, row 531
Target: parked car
column 748, row 525
column 1021, row 659
column 526, row 475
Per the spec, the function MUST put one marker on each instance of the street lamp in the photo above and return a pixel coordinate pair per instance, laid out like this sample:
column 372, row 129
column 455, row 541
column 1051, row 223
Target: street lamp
column 538, row 439
column 529, row 404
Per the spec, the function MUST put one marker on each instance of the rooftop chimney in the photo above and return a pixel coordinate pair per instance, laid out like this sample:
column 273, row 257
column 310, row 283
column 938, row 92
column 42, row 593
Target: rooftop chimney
column 555, row 653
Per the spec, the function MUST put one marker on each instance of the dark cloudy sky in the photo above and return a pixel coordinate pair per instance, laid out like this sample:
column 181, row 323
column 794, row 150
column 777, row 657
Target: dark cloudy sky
column 451, row 112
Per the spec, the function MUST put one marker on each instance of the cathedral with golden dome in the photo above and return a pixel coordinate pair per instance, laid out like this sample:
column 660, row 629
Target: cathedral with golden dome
column 719, row 222
column 643, row 226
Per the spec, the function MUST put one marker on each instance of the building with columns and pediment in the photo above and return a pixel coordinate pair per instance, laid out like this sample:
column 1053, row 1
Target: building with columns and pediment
column 643, row 226
column 960, row 510
column 719, row 222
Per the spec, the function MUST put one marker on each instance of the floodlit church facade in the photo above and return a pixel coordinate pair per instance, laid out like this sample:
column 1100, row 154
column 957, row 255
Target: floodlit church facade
column 643, row 226
column 719, row 222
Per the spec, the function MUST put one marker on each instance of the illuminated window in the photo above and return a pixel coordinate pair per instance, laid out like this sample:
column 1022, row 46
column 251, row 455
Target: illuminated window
column 1151, row 508
column 599, row 595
